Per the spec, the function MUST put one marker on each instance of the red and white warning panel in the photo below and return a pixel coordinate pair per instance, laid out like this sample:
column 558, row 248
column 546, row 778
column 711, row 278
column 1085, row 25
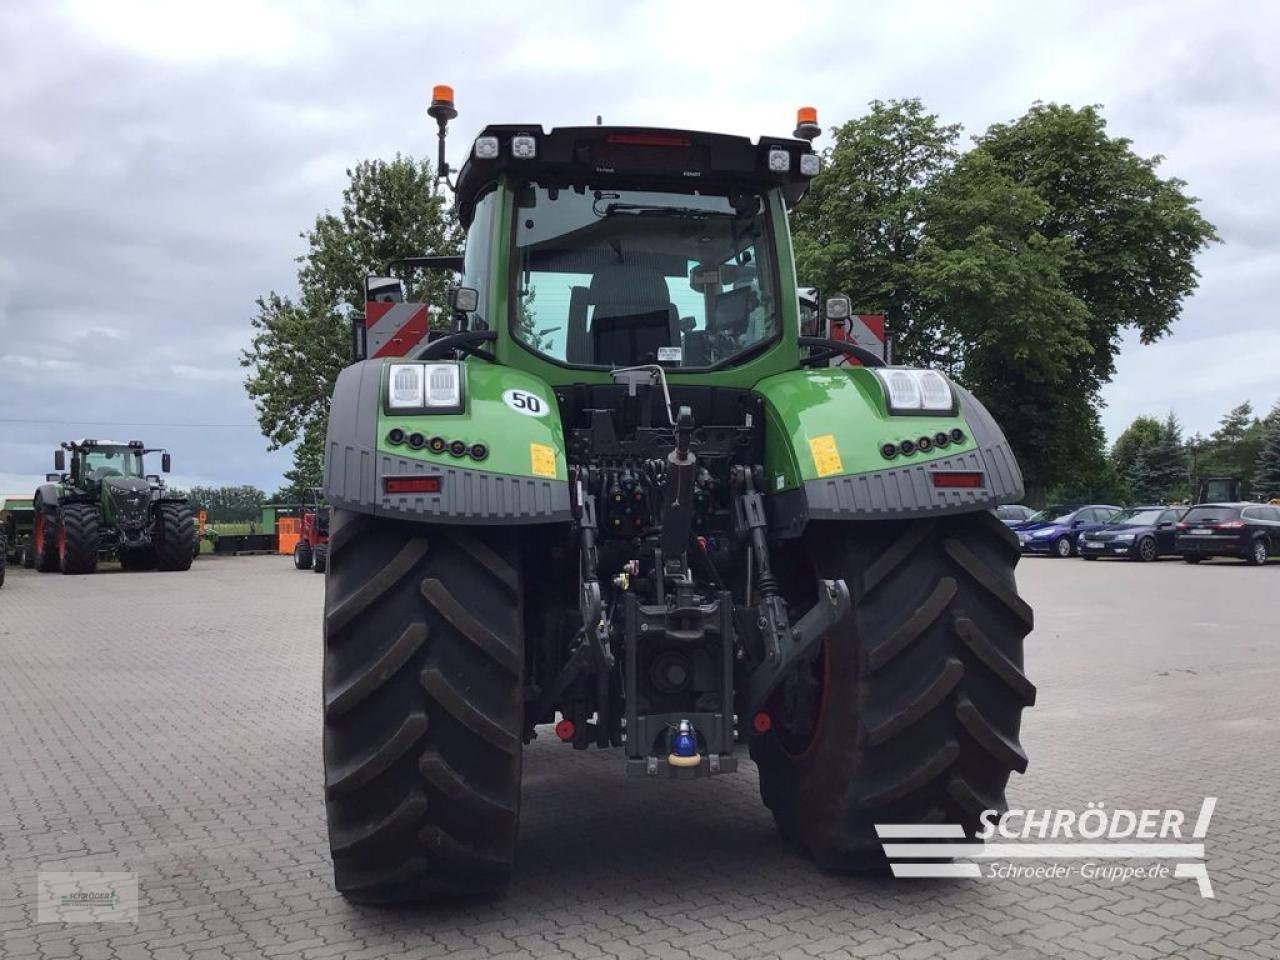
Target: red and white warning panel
column 864, row 329
column 393, row 329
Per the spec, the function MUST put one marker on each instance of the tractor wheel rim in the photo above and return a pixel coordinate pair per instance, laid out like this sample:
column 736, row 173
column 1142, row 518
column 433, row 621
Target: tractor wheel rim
column 62, row 541
column 38, row 534
column 807, row 745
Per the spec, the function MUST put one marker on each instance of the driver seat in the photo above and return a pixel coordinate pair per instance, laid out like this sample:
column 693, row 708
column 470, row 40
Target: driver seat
column 632, row 317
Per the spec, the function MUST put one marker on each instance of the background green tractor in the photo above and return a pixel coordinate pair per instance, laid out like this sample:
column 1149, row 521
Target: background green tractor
column 104, row 502
column 628, row 495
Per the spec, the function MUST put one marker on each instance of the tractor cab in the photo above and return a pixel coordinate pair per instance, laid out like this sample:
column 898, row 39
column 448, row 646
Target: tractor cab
column 93, row 461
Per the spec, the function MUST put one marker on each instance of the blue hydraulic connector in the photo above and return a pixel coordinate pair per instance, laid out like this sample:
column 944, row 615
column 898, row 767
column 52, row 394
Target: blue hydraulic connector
column 684, row 746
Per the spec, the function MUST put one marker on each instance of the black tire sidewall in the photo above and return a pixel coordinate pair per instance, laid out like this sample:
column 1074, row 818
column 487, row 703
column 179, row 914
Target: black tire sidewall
column 828, row 797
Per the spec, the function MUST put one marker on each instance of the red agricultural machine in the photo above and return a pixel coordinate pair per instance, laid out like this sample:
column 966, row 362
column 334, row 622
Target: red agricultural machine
column 312, row 549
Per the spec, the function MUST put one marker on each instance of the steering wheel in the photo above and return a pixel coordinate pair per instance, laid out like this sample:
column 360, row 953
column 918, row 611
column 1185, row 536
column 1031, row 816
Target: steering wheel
column 464, row 342
column 833, row 348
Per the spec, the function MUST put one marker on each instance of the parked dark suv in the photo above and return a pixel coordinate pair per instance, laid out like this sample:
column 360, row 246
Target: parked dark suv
column 1139, row 533
column 1250, row 531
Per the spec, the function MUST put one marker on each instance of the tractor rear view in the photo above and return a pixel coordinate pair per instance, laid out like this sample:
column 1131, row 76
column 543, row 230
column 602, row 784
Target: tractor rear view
column 105, row 504
column 629, row 496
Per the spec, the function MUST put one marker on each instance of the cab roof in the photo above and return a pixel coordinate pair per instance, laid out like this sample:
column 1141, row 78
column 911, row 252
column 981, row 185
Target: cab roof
column 632, row 157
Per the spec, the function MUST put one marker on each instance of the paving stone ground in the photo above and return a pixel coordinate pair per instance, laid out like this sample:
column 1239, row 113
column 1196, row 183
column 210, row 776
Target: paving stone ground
column 168, row 725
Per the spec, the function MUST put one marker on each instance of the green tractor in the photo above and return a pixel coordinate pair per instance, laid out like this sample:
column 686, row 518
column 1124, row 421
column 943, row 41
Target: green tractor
column 106, row 504
column 627, row 496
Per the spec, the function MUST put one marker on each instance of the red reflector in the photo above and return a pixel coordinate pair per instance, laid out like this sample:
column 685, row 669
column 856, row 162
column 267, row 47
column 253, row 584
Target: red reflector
column 762, row 722
column 648, row 139
column 957, row 478
column 564, row 730
column 411, row 484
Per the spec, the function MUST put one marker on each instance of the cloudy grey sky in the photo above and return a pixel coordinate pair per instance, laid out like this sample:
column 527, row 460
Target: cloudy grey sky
column 158, row 161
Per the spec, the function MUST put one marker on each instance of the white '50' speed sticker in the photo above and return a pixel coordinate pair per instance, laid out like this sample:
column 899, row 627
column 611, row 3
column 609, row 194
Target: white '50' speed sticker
column 530, row 404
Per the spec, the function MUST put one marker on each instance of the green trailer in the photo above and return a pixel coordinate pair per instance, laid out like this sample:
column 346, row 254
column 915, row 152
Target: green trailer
column 17, row 514
column 628, row 495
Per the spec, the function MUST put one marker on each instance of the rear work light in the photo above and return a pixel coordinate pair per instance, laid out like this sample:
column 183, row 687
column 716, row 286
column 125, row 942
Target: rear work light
column 411, row 484
column 957, row 479
column 779, row 160
column 524, row 146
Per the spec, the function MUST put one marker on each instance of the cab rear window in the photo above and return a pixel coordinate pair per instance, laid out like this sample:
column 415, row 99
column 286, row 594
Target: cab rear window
column 1211, row 514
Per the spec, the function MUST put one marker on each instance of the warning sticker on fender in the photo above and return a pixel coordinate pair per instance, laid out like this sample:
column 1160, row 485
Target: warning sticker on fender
column 826, row 458
column 542, row 460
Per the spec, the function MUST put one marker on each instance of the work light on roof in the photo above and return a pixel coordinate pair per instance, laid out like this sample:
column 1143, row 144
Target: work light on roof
column 486, row 148
column 524, row 147
column 809, row 164
column 779, row 160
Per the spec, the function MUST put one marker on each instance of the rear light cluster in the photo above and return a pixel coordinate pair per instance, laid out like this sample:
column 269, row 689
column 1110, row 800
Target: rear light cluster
column 922, row 444
column 412, row 484
column 455, row 448
column 958, row 479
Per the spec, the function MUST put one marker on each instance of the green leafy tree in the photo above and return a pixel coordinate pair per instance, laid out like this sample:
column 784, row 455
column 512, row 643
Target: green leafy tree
column 389, row 209
column 1142, row 433
column 1266, row 476
column 1014, row 330
column 1232, row 450
column 861, row 225
column 307, row 472
column 1017, row 266
column 1132, row 235
column 1157, row 472
column 228, row 504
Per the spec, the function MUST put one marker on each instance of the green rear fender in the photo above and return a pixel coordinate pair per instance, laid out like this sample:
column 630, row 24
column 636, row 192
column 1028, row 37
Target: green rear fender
column 511, row 419
column 825, row 430
column 501, row 460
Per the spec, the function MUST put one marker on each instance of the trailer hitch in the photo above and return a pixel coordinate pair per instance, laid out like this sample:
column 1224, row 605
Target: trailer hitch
column 797, row 643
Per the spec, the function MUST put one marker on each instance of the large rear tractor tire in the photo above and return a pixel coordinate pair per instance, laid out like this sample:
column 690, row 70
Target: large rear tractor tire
column 78, row 538
column 921, row 689
column 424, row 707
column 44, row 539
column 172, row 534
